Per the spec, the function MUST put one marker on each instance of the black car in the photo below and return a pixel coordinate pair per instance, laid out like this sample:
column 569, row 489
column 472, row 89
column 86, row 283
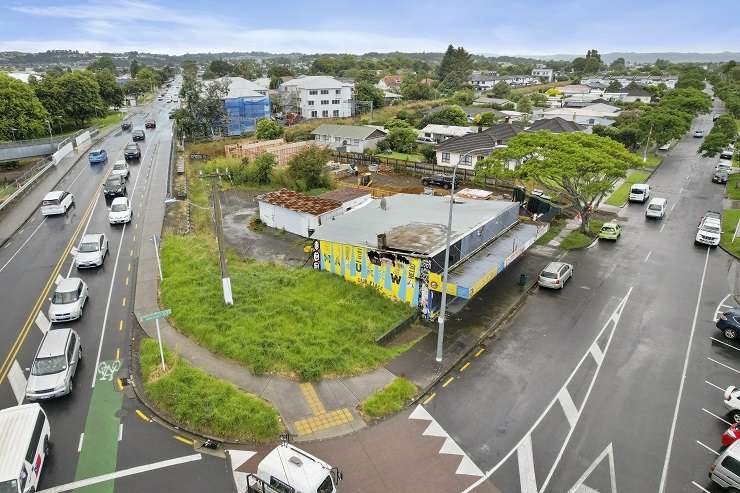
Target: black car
column 114, row 186
column 125, row 125
column 172, row 114
column 720, row 176
column 444, row 181
column 150, row 124
column 138, row 135
column 729, row 323
column 132, row 151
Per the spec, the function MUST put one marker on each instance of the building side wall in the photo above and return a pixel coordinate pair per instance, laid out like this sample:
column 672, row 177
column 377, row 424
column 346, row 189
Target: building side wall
column 242, row 114
column 281, row 218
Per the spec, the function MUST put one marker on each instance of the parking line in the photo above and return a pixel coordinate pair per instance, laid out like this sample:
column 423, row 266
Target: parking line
column 726, row 344
column 525, row 456
column 648, row 256
column 131, row 254
column 722, row 364
column 123, row 301
column 465, row 366
column 126, row 281
column 429, row 398
column 120, row 325
column 120, row 432
column 661, row 228
column 449, row 381
column 480, row 351
column 708, row 448
column 700, row 487
column 129, row 267
column 714, row 415
column 118, row 353
column 715, row 386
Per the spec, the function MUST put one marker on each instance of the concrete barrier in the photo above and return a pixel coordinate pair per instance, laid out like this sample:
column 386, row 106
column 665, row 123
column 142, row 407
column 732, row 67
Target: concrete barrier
column 62, row 152
column 82, row 138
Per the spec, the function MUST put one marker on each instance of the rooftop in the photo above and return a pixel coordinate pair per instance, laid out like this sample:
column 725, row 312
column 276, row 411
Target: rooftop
column 346, row 194
column 411, row 223
column 447, row 129
column 556, row 125
column 316, row 82
column 299, row 202
column 361, row 132
column 485, row 140
column 241, row 88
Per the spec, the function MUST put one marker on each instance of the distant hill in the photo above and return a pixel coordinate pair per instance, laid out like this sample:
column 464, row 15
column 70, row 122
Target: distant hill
column 675, row 57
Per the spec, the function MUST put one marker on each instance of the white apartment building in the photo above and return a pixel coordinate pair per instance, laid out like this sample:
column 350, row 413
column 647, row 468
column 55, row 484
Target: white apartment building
column 317, row 96
column 546, row 73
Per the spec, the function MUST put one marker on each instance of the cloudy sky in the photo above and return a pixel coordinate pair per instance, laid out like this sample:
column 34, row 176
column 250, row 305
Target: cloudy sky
column 519, row 27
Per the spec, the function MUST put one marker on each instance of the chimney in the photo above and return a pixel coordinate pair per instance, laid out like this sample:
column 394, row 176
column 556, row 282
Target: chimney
column 382, row 242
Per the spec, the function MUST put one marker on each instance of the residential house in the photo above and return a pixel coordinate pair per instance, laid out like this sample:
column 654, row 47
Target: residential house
column 317, row 96
column 544, row 73
column 440, row 133
column 573, row 89
column 615, row 95
column 483, row 81
column 390, row 98
column 556, row 125
column 589, row 116
column 637, row 94
column 243, row 105
column 485, row 101
column 580, row 100
column 390, row 83
column 397, row 245
column 348, row 138
column 467, row 150
column 295, row 212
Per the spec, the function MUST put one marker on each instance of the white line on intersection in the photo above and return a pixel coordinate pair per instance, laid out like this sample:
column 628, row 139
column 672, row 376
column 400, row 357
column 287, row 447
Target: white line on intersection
column 79, row 445
column 700, row 487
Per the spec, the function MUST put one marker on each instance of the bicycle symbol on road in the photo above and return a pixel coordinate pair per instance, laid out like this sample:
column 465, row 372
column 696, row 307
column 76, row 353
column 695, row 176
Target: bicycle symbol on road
column 107, row 369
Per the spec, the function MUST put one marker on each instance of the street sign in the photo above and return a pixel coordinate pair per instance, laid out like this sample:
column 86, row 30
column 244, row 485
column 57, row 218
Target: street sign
column 156, row 315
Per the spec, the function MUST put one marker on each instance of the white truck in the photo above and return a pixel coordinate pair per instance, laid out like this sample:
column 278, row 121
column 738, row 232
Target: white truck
column 710, row 229
column 288, row 469
column 24, row 447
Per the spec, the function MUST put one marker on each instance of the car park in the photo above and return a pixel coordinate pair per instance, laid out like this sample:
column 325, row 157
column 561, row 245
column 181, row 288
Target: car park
column 698, row 133
column 444, row 181
column 56, row 202
column 728, row 323
column 125, row 125
column 120, row 211
column 131, row 151
column 97, row 156
column 656, row 208
column 68, row 300
column 114, row 186
column 720, row 176
column 725, row 470
column 610, row 231
column 555, row 275
column 120, row 168
column 137, row 135
column 150, row 123
column 54, row 365
column 710, row 229
column 639, row 192
column 92, row 251
column 25, row 448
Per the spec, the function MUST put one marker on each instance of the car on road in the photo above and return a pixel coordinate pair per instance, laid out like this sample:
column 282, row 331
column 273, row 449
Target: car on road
column 656, row 208
column 68, row 300
column 120, row 211
column 57, row 202
column 150, row 123
column 114, row 186
column 125, row 125
column 698, row 133
column 725, row 470
column 730, row 435
column 720, row 176
column 444, row 181
column 92, row 251
column 172, row 114
column 54, row 365
column 131, row 151
column 97, row 156
column 555, row 275
column 726, row 154
column 137, row 135
column 710, row 229
column 723, row 166
column 610, row 231
column 120, row 168
column 423, row 139
column 639, row 192
column 729, row 323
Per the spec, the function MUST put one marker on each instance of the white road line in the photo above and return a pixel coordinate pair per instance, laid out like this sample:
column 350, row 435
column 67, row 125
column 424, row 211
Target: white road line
column 722, row 364
column 715, row 416
column 647, row 257
column 79, row 445
column 525, row 456
column 20, row 232
column 726, row 344
column 120, row 432
column 708, row 448
column 579, row 487
column 681, row 190
column 596, row 352
column 669, row 448
column 662, row 227
column 673, row 206
column 42, row 322
column 715, row 386
column 22, row 245
column 569, row 407
column 7, row 245
column 700, row 487
column 17, row 380
column 122, row 474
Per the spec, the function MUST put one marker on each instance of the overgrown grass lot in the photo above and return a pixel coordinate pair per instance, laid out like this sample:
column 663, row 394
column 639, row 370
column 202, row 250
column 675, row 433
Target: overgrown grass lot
column 390, row 399
column 284, row 320
column 203, row 403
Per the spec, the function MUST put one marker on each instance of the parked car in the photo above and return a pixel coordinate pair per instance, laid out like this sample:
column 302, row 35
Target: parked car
column 656, row 208
column 555, row 275
column 726, row 154
column 92, row 251
column 125, row 125
column 725, row 470
column 423, row 139
column 120, row 168
column 172, row 114
column 698, row 133
column 730, row 435
column 114, row 186
column 444, row 181
column 97, row 156
column 54, row 365
column 729, row 323
column 57, row 202
column 720, row 176
column 131, row 151
column 138, row 135
column 639, row 192
column 715, row 118
column 732, row 403
column 710, row 229
column 610, row 231
column 150, row 123
column 68, row 300
column 723, row 166
column 120, row 211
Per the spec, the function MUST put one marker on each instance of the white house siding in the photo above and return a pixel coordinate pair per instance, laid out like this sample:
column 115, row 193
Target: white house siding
column 352, row 145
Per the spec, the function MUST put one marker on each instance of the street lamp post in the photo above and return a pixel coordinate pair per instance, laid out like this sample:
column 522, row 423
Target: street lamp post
column 48, row 125
column 443, row 308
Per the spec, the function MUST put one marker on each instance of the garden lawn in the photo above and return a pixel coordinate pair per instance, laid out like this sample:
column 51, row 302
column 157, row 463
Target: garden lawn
column 286, row 320
column 390, row 399
column 576, row 239
column 733, row 187
column 202, row 403
column 653, row 161
column 622, row 193
column 730, row 217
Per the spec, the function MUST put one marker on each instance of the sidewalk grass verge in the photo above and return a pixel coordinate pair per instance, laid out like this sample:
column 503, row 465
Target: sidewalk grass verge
column 203, row 403
column 291, row 321
column 556, row 226
column 653, row 161
column 620, row 195
column 390, row 399
column 730, row 217
column 733, row 187
column 576, row 239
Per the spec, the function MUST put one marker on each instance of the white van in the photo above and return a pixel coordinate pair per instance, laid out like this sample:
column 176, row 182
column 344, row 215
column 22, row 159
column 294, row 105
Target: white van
column 289, row 469
column 24, row 446
column 56, row 202
column 639, row 192
column 656, row 208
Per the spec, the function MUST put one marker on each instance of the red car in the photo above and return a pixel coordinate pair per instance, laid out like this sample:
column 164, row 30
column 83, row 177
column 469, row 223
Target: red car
column 150, row 124
column 731, row 435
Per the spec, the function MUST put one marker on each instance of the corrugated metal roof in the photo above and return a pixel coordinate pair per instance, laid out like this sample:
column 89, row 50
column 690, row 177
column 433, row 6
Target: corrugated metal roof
column 454, row 130
column 299, row 202
column 16, row 427
column 317, row 82
column 345, row 131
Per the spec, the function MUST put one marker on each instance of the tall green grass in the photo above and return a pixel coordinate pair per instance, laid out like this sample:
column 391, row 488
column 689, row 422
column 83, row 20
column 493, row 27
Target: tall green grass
column 389, row 399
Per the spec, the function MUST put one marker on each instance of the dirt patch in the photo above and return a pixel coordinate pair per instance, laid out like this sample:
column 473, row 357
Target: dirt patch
column 239, row 209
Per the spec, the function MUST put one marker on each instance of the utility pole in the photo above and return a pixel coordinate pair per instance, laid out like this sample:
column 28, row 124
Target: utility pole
column 644, row 154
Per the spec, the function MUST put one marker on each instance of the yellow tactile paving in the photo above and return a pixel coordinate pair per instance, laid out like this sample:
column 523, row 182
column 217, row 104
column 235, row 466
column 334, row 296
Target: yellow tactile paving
column 312, row 398
column 323, row 421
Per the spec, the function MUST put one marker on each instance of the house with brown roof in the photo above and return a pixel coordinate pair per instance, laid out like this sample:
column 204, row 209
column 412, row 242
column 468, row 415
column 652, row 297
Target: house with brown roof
column 390, row 82
column 295, row 212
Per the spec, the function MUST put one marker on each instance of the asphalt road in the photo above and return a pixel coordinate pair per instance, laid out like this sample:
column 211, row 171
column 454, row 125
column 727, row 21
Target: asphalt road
column 96, row 430
column 581, row 386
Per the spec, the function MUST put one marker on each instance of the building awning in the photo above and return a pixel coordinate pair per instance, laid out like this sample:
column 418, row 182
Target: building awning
column 472, row 275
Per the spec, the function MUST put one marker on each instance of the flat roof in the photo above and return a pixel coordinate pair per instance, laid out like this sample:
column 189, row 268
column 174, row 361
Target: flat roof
column 346, row 194
column 412, row 223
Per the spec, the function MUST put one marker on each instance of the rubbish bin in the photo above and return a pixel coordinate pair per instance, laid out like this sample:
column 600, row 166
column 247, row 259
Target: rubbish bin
column 522, row 279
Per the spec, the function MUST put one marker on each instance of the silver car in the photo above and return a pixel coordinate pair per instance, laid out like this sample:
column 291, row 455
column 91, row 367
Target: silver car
column 92, row 251
column 725, row 471
column 68, row 301
column 555, row 275
column 54, row 365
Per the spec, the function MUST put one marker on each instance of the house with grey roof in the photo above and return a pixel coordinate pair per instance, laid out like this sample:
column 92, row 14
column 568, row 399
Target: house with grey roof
column 556, row 125
column 636, row 94
column 348, row 138
column 467, row 150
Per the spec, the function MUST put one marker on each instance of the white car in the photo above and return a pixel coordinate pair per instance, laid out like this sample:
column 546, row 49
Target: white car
column 69, row 300
column 732, row 402
column 555, row 275
column 120, row 211
column 92, row 251
column 639, row 192
column 710, row 229
column 120, row 168
column 698, row 133
column 57, row 202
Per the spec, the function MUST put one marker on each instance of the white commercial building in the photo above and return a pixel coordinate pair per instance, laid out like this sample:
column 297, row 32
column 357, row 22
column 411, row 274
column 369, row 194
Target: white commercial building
column 317, row 96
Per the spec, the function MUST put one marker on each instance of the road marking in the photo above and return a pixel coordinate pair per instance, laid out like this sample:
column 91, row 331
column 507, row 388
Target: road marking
column 17, row 380
column 726, row 344
column 119, row 382
column 8, row 244
column 714, row 415
column 667, row 461
column 118, row 354
column 129, row 267
column 662, row 226
column 464, row 366
column 143, row 416
column 134, row 238
column 569, row 407
column 648, row 256
column 449, row 381
column 122, row 474
column 120, row 428
column 59, row 279
column 42, row 322
column 79, row 445
column 578, row 487
column 596, row 352
column 123, row 301
column 183, row 440
column 708, row 448
column 480, row 351
column 715, row 386
column 120, row 325
column 721, row 305
column 431, row 396
column 21, row 231
column 700, row 487
column 131, row 253
column 673, row 206
column 126, row 281
column 525, row 456
column 722, row 364
column 136, row 226
column 22, row 245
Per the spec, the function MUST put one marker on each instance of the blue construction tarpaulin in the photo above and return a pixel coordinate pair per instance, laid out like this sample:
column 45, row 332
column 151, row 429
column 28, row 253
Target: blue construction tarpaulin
column 242, row 113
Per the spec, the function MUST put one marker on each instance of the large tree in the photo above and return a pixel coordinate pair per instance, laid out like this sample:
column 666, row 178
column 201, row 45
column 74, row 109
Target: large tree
column 580, row 169
column 364, row 91
column 220, row 68
column 204, row 108
column 501, row 90
column 110, row 92
column 455, row 68
column 400, row 139
column 134, row 67
column 79, row 94
column 102, row 63
column 449, row 115
column 412, row 89
column 307, row 168
column 21, row 114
